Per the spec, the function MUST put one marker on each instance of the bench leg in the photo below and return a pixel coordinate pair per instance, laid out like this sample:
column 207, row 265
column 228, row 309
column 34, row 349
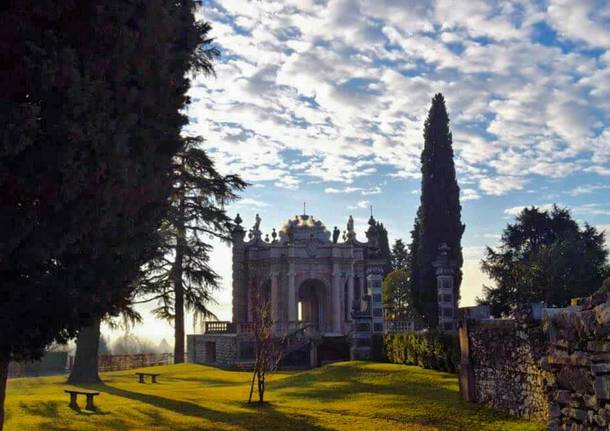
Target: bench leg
column 154, row 379
column 90, row 405
column 141, row 378
column 73, row 403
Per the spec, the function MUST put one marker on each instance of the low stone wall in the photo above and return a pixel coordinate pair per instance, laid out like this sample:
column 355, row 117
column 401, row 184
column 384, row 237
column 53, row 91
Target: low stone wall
column 579, row 357
column 503, row 360
column 225, row 349
column 556, row 368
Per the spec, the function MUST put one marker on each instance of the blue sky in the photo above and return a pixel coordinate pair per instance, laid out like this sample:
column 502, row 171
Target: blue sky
column 324, row 102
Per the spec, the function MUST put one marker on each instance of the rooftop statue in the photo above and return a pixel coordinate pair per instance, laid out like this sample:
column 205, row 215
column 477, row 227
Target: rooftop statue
column 257, row 223
column 351, row 234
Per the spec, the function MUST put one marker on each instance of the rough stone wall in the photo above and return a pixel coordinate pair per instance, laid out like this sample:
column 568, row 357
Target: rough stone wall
column 225, row 345
column 557, row 368
column 505, row 361
column 579, row 357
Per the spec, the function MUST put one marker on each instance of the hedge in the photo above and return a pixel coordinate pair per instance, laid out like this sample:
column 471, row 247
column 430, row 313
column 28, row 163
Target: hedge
column 428, row 349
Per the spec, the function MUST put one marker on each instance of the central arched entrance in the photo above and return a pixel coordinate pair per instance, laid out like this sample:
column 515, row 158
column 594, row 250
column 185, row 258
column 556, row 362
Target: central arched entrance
column 312, row 304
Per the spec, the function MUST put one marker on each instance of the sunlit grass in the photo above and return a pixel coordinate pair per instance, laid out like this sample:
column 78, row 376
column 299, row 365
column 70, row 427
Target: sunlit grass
column 354, row 396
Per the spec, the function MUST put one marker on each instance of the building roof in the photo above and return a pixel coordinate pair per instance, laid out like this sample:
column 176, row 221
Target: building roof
column 304, row 227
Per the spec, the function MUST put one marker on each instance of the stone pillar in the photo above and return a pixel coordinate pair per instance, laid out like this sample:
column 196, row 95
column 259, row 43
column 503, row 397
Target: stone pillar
column 275, row 297
column 445, row 279
column 240, row 292
column 292, row 294
column 374, row 276
column 350, row 294
column 336, row 298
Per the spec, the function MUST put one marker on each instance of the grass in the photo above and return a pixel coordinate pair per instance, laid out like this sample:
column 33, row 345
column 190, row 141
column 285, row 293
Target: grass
column 354, row 396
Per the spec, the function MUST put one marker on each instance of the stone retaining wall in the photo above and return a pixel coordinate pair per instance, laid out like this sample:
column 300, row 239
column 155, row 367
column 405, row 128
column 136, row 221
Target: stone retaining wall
column 504, row 360
column 579, row 357
column 556, row 368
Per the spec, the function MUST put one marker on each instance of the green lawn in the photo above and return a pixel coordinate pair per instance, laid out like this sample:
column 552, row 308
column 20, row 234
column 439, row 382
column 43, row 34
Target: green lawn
column 344, row 396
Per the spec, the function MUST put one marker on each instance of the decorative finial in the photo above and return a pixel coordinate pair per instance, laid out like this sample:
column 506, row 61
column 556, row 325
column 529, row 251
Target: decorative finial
column 257, row 224
column 273, row 234
column 238, row 219
column 267, row 237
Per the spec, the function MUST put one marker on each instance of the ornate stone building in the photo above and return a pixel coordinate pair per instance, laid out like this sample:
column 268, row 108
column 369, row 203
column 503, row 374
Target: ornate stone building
column 311, row 277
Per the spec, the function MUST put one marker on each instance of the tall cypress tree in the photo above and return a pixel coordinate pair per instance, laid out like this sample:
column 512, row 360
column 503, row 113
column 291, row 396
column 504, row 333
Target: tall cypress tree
column 439, row 216
column 146, row 84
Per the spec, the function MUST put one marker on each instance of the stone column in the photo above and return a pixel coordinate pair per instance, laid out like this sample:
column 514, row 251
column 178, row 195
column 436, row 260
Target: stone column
column 374, row 276
column 240, row 295
column 292, row 294
column 336, row 298
column 350, row 294
column 445, row 275
column 275, row 297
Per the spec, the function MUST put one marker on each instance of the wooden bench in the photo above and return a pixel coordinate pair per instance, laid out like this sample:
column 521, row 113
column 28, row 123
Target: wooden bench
column 89, row 394
column 153, row 377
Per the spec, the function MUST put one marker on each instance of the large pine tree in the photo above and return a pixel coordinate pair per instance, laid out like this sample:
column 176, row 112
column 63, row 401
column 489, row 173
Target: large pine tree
column 439, row 215
column 180, row 277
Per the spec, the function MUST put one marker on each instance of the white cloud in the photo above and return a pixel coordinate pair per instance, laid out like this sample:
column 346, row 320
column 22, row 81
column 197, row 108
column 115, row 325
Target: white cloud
column 360, row 205
column 515, row 211
column 346, row 86
column 500, row 185
column 470, row 195
column 250, row 202
column 581, row 20
column 586, row 189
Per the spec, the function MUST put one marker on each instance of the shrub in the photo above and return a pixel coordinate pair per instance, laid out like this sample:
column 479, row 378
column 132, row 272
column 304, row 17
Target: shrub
column 428, row 349
column 377, row 348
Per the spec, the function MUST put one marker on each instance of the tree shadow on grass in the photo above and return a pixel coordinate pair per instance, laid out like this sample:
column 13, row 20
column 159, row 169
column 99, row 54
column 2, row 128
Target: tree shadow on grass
column 57, row 425
column 257, row 418
column 47, row 409
column 267, row 411
column 418, row 400
column 207, row 381
column 182, row 407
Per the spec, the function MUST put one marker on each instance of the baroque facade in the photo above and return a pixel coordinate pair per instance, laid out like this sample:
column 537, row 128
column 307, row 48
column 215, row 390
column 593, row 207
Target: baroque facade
column 310, row 275
column 322, row 285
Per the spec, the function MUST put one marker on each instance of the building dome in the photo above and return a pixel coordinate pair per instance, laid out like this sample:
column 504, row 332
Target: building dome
column 304, row 227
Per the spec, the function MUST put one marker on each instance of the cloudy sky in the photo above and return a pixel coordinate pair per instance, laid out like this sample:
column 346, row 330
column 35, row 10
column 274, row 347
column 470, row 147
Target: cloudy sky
column 324, row 102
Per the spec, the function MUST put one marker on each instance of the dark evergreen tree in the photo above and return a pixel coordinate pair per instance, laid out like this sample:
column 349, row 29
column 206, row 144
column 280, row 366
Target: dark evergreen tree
column 544, row 257
column 439, row 216
column 384, row 248
column 91, row 112
column 400, row 256
column 163, row 42
column 181, row 276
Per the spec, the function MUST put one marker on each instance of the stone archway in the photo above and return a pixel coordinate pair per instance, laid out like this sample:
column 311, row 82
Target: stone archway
column 312, row 303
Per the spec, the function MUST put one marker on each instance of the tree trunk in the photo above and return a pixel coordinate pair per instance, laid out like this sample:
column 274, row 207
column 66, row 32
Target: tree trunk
column 84, row 370
column 261, row 387
column 252, row 381
column 179, row 288
column 3, row 377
